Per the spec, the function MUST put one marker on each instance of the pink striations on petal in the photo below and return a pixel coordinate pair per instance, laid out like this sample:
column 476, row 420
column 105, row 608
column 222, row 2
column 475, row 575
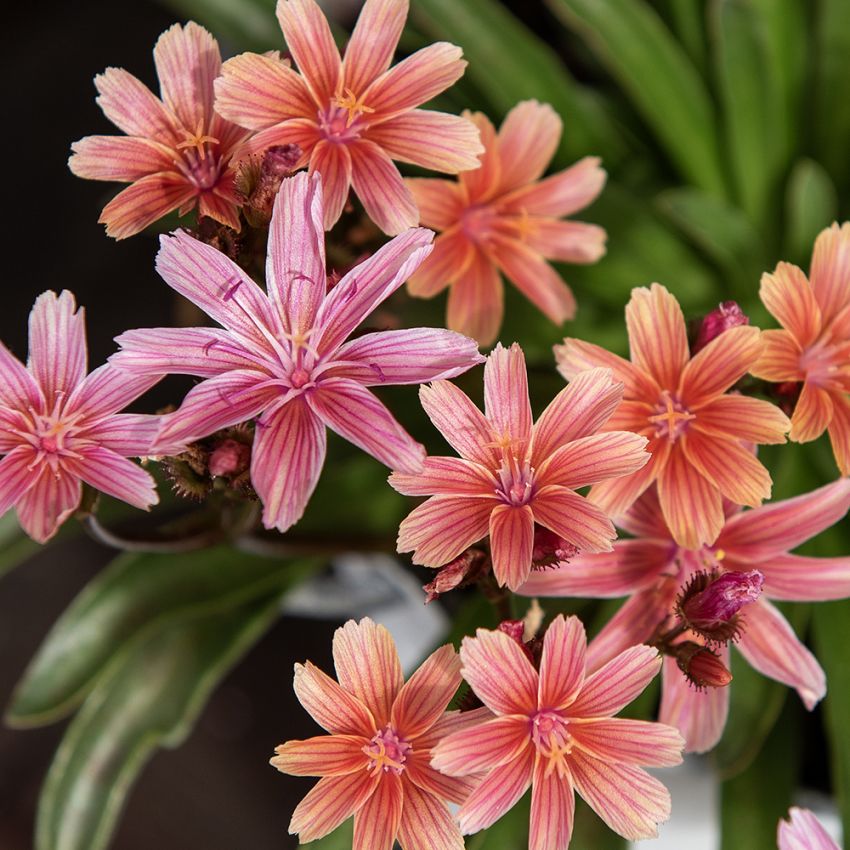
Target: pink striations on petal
column 476, row 300
column 635, row 742
column 490, row 744
column 441, row 202
column 528, row 139
column 325, row 755
column 453, row 254
column 331, row 801
column 552, row 809
column 803, row 832
column 561, row 194
column 506, row 403
column 132, row 107
column 511, row 543
column 801, row 579
column 562, row 663
column 57, row 344
column 114, row 475
column 119, row 158
column 47, row 503
column 830, row 270
column 426, row 823
column 333, row 162
column 374, row 40
column 378, row 184
column 789, row 298
column 812, row 414
column 377, row 822
column 448, row 476
column 329, row 705
column 574, row 518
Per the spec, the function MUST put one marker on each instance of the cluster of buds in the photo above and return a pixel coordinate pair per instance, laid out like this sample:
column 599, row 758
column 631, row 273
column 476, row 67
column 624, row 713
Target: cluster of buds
column 466, row 569
column 258, row 181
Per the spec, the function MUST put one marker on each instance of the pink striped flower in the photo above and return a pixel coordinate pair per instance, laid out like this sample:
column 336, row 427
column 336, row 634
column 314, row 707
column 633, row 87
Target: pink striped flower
column 352, row 117
column 698, row 433
column 375, row 764
column 282, row 356
column 503, row 218
column 512, row 474
column 652, row 568
column 177, row 153
column 554, row 730
column 814, row 344
column 803, row 831
column 60, row 426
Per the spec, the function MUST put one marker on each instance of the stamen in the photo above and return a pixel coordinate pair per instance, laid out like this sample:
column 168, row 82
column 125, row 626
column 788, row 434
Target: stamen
column 197, row 139
column 352, row 104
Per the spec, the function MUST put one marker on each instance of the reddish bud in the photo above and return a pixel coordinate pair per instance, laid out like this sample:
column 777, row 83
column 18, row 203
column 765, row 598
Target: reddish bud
column 710, row 602
column 515, row 629
column 230, row 458
column 727, row 315
column 550, row 549
column 259, row 181
column 463, row 570
column 703, row 668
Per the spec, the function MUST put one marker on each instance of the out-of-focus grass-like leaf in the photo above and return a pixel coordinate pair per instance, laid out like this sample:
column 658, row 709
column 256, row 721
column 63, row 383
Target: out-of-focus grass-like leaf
column 15, row 546
column 811, row 203
column 245, row 24
column 135, row 596
column 688, row 23
column 636, row 46
column 752, row 104
column 753, row 802
column 150, row 697
column 508, row 63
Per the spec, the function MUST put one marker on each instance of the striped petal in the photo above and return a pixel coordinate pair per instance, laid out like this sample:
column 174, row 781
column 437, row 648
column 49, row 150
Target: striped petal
column 329, row 705
column 333, row 162
column 812, row 414
column 528, row 138
column 562, row 665
column 426, row 823
column 107, row 390
column 488, row 745
column 16, row 476
column 658, row 339
column 644, row 518
column 627, row 798
column 121, row 159
column 574, row 518
column 452, row 255
column 310, row 41
column 448, row 476
column 126, row 434
column 18, row 390
column 331, row 801
column 424, row 697
column 461, row 521
column 325, row 755
column 635, row 742
column 768, row 642
column 303, row 132
column 499, row 672
column 839, row 432
column 506, row 403
column 451, row 722
column 574, row 356
column 779, row 359
column 374, row 40
column 418, row 770
column 579, row 410
column 286, row 461
column 132, row 107
column 47, row 503
column 57, row 344
column 441, row 202
column 433, row 140
column 566, row 241
column 830, row 270
column 476, row 300
column 803, row 832
column 367, row 666
column 377, row 822
column 742, row 418
column 482, row 183
column 107, row 471
column 561, row 194
column 789, row 298
column 258, row 91
column 699, row 715
column 552, row 809
column 511, row 543
column 798, row 578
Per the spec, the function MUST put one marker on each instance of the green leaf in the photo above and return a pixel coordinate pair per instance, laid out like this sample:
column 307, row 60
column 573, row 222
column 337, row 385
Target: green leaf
column 134, row 596
column 638, row 49
column 753, row 802
column 15, row 546
column 832, row 636
column 150, row 697
column 509, row 63
column 811, row 204
column 752, row 104
column 688, row 21
column 247, row 24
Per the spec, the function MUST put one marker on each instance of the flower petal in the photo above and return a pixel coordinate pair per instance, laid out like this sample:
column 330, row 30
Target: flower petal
column 333, row 163
column 489, row 745
column 459, row 521
column 411, row 356
column 561, row 194
column 418, row 770
column 332, row 800
column 802, row 579
column 574, row 518
column 441, row 202
column 658, row 339
column 562, row 665
column 258, row 91
column 132, row 107
column 356, row 414
column 839, row 432
column 303, row 132
column 779, row 359
column 18, row 389
column 714, row 369
column 812, row 414
column 627, row 798
column 324, row 755
column 368, row 284
column 476, row 300
column 566, row 241
column 126, row 434
column 16, row 476
column 789, row 298
column 329, row 705
column 433, row 140
column 614, row 685
column 499, row 672
column 482, row 183
column 768, row 642
column 528, row 138
column 107, row 471
column 552, row 809
column 424, row 697
column 107, row 390
column 830, row 270
column 378, row 184
column 803, row 832
column 367, row 666
column 574, row 356
column 452, row 255
column 448, row 476
column 376, row 823
column 636, row 742
column 121, row 159
column 310, row 41
column 47, row 503
column 374, row 40
column 511, row 543
column 699, row 715
column 426, row 823
column 742, row 418
column 506, row 403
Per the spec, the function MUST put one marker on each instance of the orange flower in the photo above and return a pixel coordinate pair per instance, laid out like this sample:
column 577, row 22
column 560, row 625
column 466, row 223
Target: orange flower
column 503, row 218
column 814, row 346
column 696, row 429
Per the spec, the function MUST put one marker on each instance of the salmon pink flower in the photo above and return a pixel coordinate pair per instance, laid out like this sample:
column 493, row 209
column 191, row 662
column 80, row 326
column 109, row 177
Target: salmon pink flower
column 503, row 218
column 177, row 153
column 352, row 117
column 803, row 832
column 59, row 426
column 282, row 356
column 652, row 569
column 554, row 730
column 511, row 473
column 375, row 764
column 698, row 433
column 814, row 344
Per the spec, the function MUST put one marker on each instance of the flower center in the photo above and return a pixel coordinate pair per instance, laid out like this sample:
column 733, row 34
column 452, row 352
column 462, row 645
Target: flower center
column 827, row 364
column 341, row 121
column 516, row 478
column 672, row 417
column 199, row 163
column 554, row 743
column 387, row 752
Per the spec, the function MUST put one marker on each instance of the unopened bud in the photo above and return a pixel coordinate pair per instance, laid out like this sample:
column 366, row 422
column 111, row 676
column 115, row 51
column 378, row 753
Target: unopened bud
column 463, row 570
column 701, row 666
column 550, row 549
column 515, row 629
column 727, row 315
column 710, row 602
column 229, row 458
column 259, row 179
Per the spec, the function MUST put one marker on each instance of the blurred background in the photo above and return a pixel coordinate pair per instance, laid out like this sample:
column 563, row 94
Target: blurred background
column 725, row 126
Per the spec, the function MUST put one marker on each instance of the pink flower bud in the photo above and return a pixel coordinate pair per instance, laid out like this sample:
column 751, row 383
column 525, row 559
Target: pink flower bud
column 550, row 549
column 229, row 458
column 722, row 599
column 703, row 668
column 727, row 315
column 465, row 569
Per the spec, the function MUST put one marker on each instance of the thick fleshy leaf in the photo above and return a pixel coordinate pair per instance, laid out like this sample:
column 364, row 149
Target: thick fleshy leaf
column 552, row 809
column 811, row 204
column 562, row 664
column 511, row 543
column 426, row 823
column 309, row 39
column 286, row 461
column 574, row 518
column 490, row 744
column 324, row 755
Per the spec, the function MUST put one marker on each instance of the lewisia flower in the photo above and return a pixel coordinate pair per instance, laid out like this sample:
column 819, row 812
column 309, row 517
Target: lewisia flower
column 502, row 217
column 375, row 764
column 59, row 426
column 352, row 117
column 554, row 730
column 282, row 356
column 803, row 831
column 177, row 152
column 511, row 473
column 697, row 432
column 652, row 569
column 814, row 345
